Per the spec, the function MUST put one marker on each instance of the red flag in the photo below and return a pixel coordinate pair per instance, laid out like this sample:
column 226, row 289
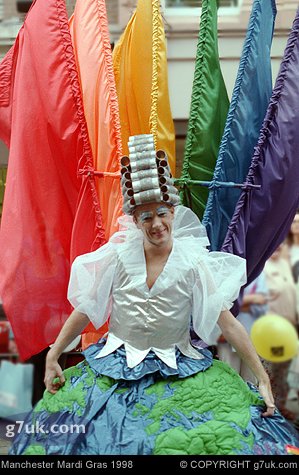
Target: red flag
column 42, row 121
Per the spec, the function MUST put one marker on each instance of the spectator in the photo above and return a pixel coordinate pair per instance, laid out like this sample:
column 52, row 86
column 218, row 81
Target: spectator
column 283, row 302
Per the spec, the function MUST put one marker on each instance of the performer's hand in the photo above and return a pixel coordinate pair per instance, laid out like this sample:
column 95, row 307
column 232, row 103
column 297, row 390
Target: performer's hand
column 54, row 377
column 266, row 393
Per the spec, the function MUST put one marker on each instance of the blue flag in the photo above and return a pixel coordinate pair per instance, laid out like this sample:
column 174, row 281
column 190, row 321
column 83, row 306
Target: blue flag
column 250, row 99
column 263, row 217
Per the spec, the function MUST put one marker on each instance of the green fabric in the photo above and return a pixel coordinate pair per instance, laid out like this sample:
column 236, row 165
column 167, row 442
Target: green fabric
column 72, row 396
column 67, row 395
column 217, row 402
column 35, row 450
column 214, row 393
column 211, row 438
column 209, row 107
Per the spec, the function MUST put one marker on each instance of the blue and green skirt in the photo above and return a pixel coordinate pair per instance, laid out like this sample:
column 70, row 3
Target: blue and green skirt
column 105, row 408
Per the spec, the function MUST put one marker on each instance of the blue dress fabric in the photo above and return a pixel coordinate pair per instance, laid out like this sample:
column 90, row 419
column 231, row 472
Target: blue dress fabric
column 107, row 408
column 115, row 366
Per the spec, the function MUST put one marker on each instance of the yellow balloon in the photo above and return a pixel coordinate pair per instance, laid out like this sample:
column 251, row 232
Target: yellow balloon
column 274, row 338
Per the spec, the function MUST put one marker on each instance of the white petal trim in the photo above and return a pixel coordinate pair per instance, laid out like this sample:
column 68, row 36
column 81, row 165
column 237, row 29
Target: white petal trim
column 112, row 343
column 135, row 356
column 167, row 356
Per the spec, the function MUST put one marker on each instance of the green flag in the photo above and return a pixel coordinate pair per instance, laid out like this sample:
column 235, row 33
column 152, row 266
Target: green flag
column 209, row 107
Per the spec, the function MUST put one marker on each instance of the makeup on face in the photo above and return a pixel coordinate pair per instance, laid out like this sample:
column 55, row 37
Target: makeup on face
column 148, row 216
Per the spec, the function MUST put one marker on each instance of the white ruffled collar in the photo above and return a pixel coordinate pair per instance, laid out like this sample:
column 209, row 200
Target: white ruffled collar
column 185, row 224
column 189, row 242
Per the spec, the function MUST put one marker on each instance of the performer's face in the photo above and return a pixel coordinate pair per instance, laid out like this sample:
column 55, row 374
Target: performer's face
column 155, row 221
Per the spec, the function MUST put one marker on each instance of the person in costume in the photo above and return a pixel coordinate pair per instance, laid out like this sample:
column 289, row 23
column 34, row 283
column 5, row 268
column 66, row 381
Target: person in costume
column 144, row 389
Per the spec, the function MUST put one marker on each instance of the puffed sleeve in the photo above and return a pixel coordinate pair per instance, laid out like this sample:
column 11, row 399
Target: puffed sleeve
column 91, row 282
column 218, row 279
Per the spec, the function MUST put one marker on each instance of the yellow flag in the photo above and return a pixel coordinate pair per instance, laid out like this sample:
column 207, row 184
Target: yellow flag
column 140, row 68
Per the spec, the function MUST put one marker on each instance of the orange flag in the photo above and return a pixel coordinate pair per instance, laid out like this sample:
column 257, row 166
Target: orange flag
column 140, row 67
column 90, row 37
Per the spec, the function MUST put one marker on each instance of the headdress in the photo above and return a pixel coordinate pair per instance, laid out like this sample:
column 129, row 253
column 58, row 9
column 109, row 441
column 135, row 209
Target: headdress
column 146, row 175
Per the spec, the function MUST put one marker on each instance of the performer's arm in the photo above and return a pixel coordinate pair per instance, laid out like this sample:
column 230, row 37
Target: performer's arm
column 236, row 335
column 72, row 328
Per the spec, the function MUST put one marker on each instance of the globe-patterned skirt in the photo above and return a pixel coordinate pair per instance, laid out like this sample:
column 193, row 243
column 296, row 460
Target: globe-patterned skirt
column 105, row 408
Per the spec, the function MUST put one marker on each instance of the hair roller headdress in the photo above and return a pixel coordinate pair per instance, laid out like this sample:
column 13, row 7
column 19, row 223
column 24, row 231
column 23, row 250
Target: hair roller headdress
column 146, row 175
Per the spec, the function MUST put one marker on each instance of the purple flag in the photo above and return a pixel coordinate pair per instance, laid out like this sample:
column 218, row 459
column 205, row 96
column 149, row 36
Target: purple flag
column 262, row 218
